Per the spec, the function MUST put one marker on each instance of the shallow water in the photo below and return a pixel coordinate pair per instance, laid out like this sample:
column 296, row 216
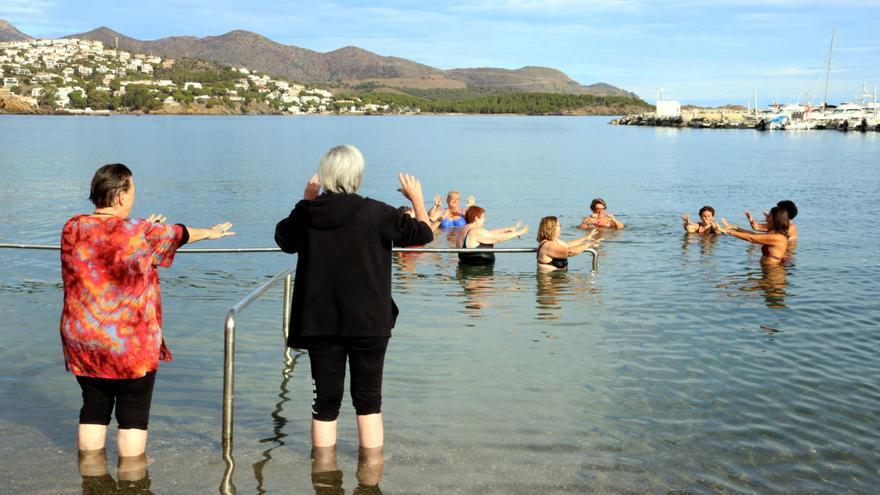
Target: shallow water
column 680, row 366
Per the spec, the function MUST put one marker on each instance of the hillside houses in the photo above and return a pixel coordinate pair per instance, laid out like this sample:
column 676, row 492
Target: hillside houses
column 81, row 74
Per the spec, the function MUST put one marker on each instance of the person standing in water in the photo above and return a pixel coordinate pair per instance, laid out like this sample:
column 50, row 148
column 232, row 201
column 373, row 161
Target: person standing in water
column 342, row 311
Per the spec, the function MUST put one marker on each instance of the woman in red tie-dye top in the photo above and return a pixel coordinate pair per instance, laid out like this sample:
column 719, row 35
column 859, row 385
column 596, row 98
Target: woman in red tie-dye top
column 111, row 321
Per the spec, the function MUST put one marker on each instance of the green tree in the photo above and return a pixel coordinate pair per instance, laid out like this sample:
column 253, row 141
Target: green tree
column 98, row 100
column 47, row 97
column 77, row 100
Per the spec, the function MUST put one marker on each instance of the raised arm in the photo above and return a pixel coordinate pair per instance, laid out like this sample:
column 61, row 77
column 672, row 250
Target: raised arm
column 216, row 232
column 754, row 237
column 756, row 225
column 506, row 230
column 615, row 222
column 559, row 249
column 688, row 226
column 490, row 237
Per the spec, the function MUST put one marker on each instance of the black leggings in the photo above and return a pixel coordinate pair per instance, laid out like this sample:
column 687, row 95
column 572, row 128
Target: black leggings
column 131, row 396
column 366, row 357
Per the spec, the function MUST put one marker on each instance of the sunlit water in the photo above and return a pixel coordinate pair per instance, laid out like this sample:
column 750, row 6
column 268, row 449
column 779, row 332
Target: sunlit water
column 680, row 366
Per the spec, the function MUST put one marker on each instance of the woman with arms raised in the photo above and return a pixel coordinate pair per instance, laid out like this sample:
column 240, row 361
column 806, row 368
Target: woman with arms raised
column 475, row 235
column 600, row 217
column 111, row 321
column 774, row 242
column 706, row 225
column 789, row 207
column 342, row 308
column 553, row 252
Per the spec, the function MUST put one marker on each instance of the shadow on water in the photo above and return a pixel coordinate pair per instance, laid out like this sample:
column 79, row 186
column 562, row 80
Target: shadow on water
column 279, row 421
column 132, row 477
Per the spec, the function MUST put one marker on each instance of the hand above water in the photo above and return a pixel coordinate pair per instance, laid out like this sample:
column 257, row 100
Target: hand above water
column 154, row 217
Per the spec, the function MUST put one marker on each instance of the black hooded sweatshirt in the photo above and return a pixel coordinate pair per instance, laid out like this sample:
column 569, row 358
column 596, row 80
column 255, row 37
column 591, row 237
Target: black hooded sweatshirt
column 342, row 285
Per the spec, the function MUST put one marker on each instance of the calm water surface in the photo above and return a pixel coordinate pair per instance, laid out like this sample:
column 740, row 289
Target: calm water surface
column 680, row 366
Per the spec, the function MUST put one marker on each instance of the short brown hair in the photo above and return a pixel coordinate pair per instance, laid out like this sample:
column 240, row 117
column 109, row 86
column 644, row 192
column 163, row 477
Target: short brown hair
column 597, row 201
column 547, row 228
column 707, row 208
column 470, row 216
column 108, row 182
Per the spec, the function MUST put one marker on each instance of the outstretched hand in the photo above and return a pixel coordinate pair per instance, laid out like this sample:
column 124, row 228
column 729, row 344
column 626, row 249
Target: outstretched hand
column 471, row 200
column 686, row 218
column 313, row 188
column 438, row 200
column 749, row 216
column 220, row 230
column 154, row 217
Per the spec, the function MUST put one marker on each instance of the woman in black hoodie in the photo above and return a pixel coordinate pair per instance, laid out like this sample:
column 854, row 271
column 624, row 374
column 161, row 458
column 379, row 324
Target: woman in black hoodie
column 342, row 307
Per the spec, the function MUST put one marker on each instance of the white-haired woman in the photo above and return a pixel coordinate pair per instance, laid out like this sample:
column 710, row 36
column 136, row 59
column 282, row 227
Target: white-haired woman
column 342, row 308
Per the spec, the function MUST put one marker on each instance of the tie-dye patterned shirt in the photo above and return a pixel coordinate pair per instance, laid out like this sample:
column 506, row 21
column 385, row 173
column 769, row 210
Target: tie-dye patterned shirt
column 111, row 322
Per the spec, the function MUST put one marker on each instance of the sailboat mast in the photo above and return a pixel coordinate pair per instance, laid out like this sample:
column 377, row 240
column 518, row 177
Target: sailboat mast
column 828, row 69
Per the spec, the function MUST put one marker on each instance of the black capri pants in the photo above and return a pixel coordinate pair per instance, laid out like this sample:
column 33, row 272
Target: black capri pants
column 132, row 398
column 366, row 358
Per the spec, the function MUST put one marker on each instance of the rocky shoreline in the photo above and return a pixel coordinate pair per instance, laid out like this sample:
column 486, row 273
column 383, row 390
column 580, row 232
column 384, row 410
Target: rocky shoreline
column 724, row 118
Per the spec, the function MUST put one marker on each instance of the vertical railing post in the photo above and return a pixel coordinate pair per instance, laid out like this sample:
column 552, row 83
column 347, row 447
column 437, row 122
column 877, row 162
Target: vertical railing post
column 285, row 307
column 285, row 316
column 226, row 486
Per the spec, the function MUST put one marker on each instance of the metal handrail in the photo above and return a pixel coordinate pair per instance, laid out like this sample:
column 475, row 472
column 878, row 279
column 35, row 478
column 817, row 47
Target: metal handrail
column 229, row 361
column 278, row 250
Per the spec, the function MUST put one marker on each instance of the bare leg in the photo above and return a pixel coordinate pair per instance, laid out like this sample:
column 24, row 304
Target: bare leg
column 91, row 437
column 371, row 433
column 323, row 433
column 131, row 442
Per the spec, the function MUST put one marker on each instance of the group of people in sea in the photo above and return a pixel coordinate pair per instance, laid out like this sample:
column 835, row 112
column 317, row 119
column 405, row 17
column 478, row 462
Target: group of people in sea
column 774, row 234
column 342, row 312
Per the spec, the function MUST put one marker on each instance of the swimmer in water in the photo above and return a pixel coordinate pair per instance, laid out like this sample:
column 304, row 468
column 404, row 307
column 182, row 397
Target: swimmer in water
column 706, row 225
column 475, row 235
column 553, row 252
column 792, row 210
column 600, row 217
column 453, row 215
column 774, row 242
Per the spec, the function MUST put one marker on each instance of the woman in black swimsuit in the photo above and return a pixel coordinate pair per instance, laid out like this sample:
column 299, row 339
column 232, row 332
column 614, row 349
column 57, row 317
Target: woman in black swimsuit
column 474, row 235
column 553, row 252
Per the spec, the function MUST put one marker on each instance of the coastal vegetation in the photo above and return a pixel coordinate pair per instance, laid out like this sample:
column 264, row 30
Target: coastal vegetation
column 504, row 102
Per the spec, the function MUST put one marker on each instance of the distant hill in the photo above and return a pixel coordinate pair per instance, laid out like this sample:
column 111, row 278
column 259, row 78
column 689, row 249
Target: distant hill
column 348, row 66
column 532, row 79
column 8, row 32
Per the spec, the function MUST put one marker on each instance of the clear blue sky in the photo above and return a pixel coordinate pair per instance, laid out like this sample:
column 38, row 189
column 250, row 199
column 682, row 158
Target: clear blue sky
column 699, row 51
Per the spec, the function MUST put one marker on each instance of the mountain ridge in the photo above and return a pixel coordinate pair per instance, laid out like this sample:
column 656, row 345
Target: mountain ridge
column 347, row 66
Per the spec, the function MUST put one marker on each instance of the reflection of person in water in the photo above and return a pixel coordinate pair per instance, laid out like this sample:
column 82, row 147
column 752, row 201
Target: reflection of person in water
column 478, row 282
column 547, row 297
column 773, row 284
column 96, row 480
column 327, row 477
